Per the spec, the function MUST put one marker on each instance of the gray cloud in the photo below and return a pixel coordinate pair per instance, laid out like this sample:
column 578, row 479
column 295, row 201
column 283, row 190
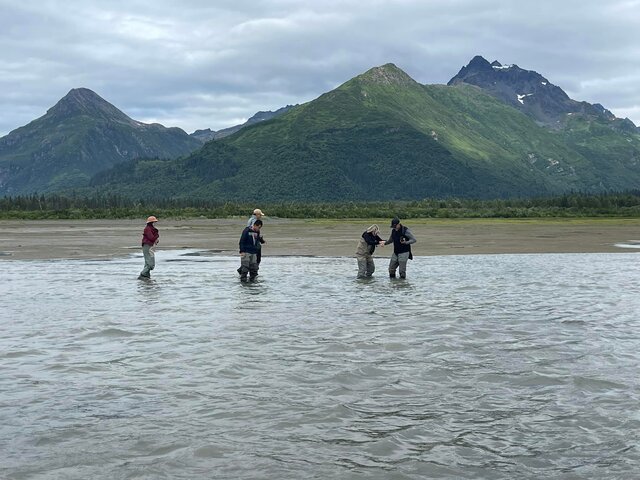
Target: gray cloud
column 197, row 65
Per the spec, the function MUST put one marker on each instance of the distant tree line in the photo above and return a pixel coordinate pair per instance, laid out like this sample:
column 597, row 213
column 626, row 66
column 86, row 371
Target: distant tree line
column 616, row 204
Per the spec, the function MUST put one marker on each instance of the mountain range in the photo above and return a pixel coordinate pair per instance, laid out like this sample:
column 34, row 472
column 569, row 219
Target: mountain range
column 492, row 131
column 78, row 137
column 207, row 135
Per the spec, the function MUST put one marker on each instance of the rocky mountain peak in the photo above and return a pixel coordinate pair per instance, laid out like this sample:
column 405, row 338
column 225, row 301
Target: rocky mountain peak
column 525, row 90
column 82, row 101
column 387, row 74
column 479, row 63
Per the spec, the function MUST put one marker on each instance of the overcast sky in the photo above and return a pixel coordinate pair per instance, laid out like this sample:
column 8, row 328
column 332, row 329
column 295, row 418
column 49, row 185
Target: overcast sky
column 214, row 63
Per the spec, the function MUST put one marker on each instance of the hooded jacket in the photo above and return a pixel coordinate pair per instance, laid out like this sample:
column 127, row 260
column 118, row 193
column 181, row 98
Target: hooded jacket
column 367, row 243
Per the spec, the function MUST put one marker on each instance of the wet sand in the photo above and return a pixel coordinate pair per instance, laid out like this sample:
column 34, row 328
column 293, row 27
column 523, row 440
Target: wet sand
column 53, row 239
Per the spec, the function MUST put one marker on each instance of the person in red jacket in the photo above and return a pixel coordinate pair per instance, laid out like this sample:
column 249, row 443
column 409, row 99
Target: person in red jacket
column 150, row 238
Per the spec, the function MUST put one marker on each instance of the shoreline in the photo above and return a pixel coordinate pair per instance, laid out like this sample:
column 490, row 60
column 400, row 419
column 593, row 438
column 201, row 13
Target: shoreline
column 67, row 239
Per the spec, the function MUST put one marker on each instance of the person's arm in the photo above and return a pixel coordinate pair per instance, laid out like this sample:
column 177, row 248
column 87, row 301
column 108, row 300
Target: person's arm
column 390, row 239
column 410, row 238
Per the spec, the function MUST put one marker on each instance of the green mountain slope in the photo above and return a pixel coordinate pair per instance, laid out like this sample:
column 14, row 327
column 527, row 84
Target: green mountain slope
column 610, row 145
column 382, row 135
column 613, row 152
column 78, row 137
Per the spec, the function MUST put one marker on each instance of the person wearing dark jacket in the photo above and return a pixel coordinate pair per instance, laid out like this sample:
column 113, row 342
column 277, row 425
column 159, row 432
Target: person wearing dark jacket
column 249, row 247
column 402, row 239
column 364, row 253
column 257, row 215
column 150, row 238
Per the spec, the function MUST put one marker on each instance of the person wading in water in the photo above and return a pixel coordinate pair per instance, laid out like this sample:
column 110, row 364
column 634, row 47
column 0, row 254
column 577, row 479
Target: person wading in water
column 257, row 215
column 364, row 253
column 402, row 239
column 249, row 247
column 150, row 238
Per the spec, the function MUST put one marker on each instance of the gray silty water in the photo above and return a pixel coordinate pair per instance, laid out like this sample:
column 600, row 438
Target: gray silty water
column 494, row 367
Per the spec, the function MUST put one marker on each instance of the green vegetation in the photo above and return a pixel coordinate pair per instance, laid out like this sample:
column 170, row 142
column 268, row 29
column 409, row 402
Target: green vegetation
column 574, row 205
column 381, row 135
column 77, row 138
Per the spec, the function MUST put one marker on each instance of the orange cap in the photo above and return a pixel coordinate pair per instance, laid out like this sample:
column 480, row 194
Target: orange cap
column 152, row 219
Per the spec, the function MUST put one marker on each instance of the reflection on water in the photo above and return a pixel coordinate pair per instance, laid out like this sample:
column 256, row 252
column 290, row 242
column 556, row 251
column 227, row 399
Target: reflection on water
column 474, row 367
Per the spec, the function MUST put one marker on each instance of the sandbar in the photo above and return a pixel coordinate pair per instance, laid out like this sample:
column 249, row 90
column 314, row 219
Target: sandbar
column 60, row 239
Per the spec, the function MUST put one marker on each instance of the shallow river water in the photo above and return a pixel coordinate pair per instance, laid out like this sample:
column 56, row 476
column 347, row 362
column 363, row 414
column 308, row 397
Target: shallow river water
column 497, row 366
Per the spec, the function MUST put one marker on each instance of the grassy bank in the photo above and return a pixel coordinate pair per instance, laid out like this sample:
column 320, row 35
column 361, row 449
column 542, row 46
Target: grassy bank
column 620, row 205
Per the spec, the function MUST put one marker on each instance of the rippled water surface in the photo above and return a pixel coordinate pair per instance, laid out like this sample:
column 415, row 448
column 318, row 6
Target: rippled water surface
column 518, row 366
